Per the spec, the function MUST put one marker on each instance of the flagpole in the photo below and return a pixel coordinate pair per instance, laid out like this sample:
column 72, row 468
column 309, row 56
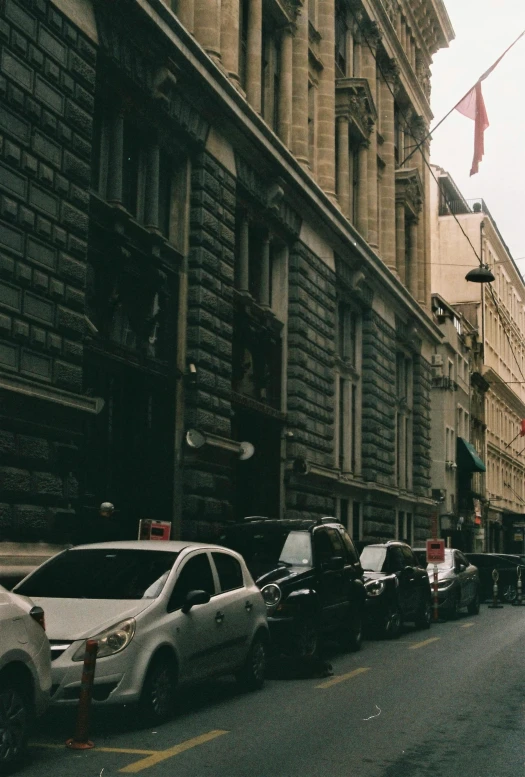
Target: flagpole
column 481, row 78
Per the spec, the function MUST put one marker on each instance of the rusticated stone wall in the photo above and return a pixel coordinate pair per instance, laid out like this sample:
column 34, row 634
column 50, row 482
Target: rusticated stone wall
column 421, row 426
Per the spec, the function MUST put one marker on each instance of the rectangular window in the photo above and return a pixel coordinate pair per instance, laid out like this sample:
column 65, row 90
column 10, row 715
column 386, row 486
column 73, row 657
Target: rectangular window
column 356, row 521
column 341, row 29
column 311, row 125
column 342, row 391
column 131, row 170
column 244, row 6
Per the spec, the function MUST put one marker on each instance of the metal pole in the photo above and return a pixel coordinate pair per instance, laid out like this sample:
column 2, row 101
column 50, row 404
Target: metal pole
column 80, row 740
column 495, row 577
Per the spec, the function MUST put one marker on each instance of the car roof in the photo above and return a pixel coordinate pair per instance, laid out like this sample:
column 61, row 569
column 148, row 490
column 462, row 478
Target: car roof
column 388, row 544
column 285, row 524
column 173, row 546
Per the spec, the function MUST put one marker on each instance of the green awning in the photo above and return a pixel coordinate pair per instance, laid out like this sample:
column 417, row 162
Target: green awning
column 468, row 459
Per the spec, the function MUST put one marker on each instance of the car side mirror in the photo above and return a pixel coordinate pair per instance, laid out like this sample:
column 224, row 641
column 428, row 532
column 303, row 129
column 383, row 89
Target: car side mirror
column 334, row 564
column 461, row 568
column 193, row 598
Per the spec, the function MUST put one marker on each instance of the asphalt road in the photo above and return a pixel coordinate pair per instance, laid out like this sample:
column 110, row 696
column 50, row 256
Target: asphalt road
column 445, row 702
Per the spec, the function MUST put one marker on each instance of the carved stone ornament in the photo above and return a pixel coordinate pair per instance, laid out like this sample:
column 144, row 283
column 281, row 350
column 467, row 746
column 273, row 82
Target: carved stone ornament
column 389, row 69
column 354, row 99
column 371, row 33
column 418, row 128
column 409, row 190
column 292, row 8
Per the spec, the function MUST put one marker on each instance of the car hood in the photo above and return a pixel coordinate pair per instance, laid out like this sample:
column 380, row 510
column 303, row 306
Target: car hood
column 281, row 574
column 443, row 574
column 71, row 619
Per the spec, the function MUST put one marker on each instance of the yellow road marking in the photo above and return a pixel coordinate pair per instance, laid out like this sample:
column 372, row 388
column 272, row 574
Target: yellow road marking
column 342, row 677
column 422, row 644
column 163, row 755
column 467, row 625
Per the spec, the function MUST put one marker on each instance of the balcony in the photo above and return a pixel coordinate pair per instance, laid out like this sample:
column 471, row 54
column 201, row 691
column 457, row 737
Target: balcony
column 445, row 383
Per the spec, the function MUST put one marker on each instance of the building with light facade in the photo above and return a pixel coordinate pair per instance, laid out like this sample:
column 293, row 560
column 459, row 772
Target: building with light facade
column 497, row 313
column 209, row 225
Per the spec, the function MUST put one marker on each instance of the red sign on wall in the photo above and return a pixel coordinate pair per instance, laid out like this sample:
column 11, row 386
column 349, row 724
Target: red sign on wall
column 435, row 551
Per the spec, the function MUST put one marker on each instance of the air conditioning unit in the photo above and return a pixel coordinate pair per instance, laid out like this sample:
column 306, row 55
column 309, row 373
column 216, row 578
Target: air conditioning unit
column 437, row 360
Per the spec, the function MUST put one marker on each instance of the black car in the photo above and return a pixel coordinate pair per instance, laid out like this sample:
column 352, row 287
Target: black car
column 310, row 578
column 507, row 565
column 397, row 588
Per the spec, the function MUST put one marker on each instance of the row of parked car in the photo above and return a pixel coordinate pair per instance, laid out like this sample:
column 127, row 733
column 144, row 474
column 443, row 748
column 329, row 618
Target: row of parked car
column 166, row 614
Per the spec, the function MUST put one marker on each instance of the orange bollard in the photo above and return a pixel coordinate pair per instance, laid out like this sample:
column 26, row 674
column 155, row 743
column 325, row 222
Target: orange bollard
column 80, row 740
column 435, row 594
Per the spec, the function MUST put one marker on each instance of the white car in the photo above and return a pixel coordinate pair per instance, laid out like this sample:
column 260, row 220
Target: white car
column 163, row 613
column 25, row 674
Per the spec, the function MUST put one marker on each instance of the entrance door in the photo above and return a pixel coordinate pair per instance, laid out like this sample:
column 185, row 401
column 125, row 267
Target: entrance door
column 257, row 480
column 129, row 447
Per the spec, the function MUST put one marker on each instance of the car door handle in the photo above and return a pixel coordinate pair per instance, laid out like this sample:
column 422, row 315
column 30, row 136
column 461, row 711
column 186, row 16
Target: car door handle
column 219, row 617
column 248, row 606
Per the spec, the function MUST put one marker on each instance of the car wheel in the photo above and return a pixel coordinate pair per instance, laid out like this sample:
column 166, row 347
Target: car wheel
column 424, row 618
column 158, row 692
column 510, row 593
column 15, row 719
column 473, row 607
column 352, row 632
column 392, row 624
column 251, row 676
column 305, row 638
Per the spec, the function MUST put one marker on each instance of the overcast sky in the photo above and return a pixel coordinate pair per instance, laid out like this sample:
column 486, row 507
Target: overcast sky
column 484, row 29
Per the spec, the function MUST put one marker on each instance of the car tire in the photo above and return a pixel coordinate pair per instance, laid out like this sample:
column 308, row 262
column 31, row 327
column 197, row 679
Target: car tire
column 158, row 691
column 252, row 674
column 473, row 607
column 509, row 594
column 351, row 637
column 305, row 638
column 424, row 619
column 16, row 714
column 393, row 622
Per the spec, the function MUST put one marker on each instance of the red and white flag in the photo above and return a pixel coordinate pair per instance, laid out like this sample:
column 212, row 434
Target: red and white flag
column 472, row 106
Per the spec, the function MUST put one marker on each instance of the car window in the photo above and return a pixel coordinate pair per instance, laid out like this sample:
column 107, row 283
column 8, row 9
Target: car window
column 195, row 575
column 324, row 549
column 297, row 550
column 229, row 571
column 337, row 543
column 460, row 559
column 351, row 552
column 373, row 558
column 109, row 573
column 396, row 560
column 409, row 558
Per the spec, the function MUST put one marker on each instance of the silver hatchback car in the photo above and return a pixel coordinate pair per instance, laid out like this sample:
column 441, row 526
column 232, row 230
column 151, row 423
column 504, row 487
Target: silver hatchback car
column 164, row 614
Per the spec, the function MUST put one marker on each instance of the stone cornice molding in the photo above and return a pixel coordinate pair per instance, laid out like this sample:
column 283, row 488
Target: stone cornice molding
column 353, row 99
column 409, row 190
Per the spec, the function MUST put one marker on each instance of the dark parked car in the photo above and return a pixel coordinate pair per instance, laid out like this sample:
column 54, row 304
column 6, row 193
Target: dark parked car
column 310, row 578
column 507, row 566
column 458, row 582
column 397, row 588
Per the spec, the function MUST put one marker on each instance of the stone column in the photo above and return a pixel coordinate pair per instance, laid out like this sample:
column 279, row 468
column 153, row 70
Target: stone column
column 186, row 14
column 254, row 55
column 300, row 87
column 115, row 158
column 428, row 268
column 412, row 265
column 286, row 91
column 208, row 26
column 421, row 286
column 369, row 72
column 326, row 100
column 362, row 193
column 343, row 171
column 264, row 298
column 230, row 37
column 151, row 204
column 358, row 51
column 243, row 278
column 400, row 242
column 388, row 183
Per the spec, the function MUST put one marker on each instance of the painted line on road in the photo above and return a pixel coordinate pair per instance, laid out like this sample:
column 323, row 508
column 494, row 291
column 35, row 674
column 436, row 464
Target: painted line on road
column 342, row 677
column 467, row 625
column 164, row 755
column 422, row 644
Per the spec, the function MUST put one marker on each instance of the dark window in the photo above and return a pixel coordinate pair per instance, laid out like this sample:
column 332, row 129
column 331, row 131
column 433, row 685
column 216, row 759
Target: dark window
column 102, row 574
column 356, row 520
column 410, row 559
column 340, row 38
column 196, row 575
column 229, row 571
column 244, row 6
column 349, row 546
column 131, row 169
column 165, row 193
column 337, row 542
column 396, row 560
column 324, row 549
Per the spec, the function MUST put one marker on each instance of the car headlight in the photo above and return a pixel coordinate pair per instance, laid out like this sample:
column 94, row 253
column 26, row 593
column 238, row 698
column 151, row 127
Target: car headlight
column 271, row 594
column 110, row 641
column 375, row 587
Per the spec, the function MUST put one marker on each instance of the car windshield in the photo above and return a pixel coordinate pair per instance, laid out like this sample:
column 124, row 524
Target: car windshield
column 297, row 550
column 260, row 546
column 373, row 558
column 448, row 562
column 110, row 573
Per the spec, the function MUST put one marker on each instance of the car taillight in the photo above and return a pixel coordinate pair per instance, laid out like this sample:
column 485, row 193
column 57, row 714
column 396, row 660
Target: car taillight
column 37, row 613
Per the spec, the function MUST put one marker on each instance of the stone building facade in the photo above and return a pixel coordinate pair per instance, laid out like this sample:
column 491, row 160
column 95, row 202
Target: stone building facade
column 496, row 311
column 215, row 278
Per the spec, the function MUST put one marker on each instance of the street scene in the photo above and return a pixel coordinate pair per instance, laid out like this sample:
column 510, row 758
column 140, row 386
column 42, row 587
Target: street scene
column 262, row 388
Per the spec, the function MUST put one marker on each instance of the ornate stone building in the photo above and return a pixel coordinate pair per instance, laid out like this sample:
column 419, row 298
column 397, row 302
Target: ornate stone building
column 214, row 219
